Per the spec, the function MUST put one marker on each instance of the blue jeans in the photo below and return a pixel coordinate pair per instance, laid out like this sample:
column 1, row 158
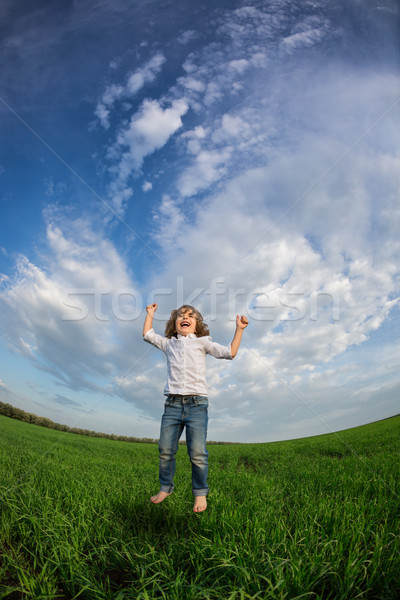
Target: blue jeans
column 180, row 412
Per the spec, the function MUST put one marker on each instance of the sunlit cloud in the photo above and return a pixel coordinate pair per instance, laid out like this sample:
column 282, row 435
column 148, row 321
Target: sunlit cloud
column 135, row 82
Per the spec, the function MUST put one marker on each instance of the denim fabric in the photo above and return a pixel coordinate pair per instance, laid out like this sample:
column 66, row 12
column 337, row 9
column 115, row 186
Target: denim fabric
column 180, row 412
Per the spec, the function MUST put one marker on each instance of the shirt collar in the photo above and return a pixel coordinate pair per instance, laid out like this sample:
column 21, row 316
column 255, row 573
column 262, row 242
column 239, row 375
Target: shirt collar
column 191, row 336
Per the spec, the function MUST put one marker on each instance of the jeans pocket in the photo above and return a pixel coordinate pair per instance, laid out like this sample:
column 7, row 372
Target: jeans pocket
column 202, row 402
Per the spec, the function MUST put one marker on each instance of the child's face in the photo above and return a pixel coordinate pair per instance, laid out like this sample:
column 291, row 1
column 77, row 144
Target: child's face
column 185, row 322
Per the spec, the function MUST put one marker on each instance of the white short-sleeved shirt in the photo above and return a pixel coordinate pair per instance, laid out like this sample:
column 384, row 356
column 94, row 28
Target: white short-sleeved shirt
column 186, row 361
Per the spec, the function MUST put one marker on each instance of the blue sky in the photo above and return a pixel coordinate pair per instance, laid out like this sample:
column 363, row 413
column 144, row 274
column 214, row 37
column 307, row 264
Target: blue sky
column 241, row 156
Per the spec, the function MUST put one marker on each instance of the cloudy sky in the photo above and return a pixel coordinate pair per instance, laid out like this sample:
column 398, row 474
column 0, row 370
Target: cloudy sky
column 242, row 156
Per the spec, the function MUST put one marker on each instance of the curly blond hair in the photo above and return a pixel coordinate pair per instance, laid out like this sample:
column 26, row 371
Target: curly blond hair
column 201, row 327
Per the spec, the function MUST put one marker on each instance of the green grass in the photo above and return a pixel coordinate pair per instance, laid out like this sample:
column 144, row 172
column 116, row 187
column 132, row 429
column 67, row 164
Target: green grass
column 314, row 518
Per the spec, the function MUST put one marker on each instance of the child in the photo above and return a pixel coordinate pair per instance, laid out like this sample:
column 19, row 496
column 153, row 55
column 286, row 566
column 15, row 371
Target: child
column 186, row 344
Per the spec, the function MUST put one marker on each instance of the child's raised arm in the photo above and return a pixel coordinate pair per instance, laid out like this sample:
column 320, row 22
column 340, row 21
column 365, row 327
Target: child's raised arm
column 148, row 322
column 241, row 324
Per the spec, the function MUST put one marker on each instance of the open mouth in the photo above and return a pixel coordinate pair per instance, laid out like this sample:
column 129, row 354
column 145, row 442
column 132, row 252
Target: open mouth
column 185, row 324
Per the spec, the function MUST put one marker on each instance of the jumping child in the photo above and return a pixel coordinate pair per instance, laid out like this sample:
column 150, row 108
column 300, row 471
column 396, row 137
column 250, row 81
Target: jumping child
column 186, row 344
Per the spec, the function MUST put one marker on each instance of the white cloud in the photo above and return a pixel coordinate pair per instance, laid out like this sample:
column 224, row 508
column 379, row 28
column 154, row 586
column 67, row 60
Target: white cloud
column 188, row 36
column 190, row 83
column 193, row 139
column 147, row 186
column 103, row 108
column 240, row 65
column 63, row 317
column 170, row 224
column 232, row 126
column 102, row 113
column 145, row 74
column 136, row 81
column 306, row 33
column 207, row 168
column 120, row 193
column 305, row 38
column 148, row 130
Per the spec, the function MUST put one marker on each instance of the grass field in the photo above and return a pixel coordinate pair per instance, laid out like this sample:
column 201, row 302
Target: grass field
column 315, row 518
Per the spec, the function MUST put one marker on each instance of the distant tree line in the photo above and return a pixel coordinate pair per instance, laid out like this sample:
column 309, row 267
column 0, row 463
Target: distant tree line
column 17, row 413
column 7, row 410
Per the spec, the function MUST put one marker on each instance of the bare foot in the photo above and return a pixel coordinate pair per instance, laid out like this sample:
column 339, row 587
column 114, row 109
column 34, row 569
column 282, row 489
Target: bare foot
column 159, row 497
column 200, row 504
